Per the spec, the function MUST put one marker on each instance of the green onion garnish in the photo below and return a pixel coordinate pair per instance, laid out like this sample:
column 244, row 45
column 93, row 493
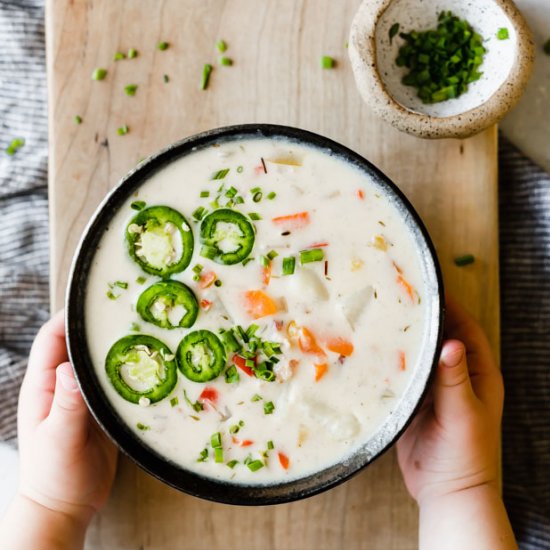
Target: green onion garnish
column 240, row 169
column 394, row 29
column 205, row 194
column 123, row 130
column 239, row 200
column 14, row 146
column 264, row 261
column 138, row 205
column 231, row 344
column 232, row 463
column 442, row 62
column 226, row 61
column 467, row 259
column 271, row 195
column 111, row 296
column 99, row 74
column 257, row 196
column 221, row 46
column 234, row 429
column 270, row 445
column 134, row 327
column 255, row 465
column 218, row 454
column 174, row 401
column 216, row 440
column 218, row 283
column 231, row 192
column 256, row 397
column 203, row 456
column 327, row 62
column 163, row 46
column 272, row 254
column 121, row 284
column 118, row 56
column 206, row 71
column 140, row 280
column 269, row 407
column 246, row 261
column 77, row 119
column 142, row 427
column 209, row 252
column 289, row 265
column 199, row 213
column 132, row 52
column 220, row 175
column 198, row 268
column 131, row 89
column 313, row 255
column 166, row 79
column 254, row 216
column 503, row 34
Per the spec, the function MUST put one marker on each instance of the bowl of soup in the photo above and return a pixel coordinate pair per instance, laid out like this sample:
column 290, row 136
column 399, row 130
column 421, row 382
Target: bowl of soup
column 254, row 314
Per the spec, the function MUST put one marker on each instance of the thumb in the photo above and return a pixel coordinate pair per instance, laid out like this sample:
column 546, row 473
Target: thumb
column 68, row 417
column 453, row 393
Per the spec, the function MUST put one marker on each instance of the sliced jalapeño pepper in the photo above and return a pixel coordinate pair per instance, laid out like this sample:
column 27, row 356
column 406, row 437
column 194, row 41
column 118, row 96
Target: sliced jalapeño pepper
column 168, row 304
column 201, row 356
column 141, row 368
column 160, row 240
column 227, row 236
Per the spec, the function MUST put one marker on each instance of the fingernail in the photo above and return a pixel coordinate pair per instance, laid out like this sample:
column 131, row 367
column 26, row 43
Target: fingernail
column 452, row 357
column 67, row 381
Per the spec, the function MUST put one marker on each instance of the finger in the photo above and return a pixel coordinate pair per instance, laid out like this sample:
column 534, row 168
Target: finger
column 47, row 352
column 452, row 390
column 485, row 375
column 68, row 420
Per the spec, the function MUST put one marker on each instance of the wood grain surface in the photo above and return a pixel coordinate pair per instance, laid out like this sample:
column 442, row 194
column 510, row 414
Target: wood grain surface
column 276, row 46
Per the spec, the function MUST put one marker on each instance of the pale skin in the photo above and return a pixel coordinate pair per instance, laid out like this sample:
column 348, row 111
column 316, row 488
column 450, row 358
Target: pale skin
column 448, row 455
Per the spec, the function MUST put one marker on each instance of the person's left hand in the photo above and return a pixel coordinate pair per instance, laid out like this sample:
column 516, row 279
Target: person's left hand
column 67, row 464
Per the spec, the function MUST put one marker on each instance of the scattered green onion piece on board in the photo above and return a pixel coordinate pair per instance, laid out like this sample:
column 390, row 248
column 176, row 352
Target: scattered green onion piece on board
column 467, row 259
column 313, row 255
column 503, row 34
column 269, row 407
column 132, row 53
column 221, row 46
column 166, row 79
column 118, row 56
column 289, row 265
column 142, row 427
column 99, row 74
column 77, row 119
column 206, row 71
column 162, row 46
column 394, row 29
column 14, row 146
column 255, row 465
column 123, row 130
column 131, row 89
column 328, row 62
column 226, row 61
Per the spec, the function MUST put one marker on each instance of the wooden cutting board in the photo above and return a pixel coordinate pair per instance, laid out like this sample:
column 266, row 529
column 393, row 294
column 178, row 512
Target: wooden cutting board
column 276, row 46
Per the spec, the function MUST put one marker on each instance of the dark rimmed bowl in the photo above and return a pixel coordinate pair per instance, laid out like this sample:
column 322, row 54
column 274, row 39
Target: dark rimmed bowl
column 190, row 482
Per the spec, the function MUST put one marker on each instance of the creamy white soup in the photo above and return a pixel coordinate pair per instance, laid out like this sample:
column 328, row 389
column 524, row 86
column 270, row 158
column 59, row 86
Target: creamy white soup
column 254, row 312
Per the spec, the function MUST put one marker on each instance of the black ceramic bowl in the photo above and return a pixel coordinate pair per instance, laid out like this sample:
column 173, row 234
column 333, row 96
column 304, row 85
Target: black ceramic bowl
column 173, row 474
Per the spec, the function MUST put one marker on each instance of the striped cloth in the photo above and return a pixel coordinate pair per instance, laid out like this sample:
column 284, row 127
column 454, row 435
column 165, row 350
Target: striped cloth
column 525, row 264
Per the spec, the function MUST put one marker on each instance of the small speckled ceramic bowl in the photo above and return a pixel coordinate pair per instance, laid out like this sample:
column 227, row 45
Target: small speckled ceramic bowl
column 506, row 68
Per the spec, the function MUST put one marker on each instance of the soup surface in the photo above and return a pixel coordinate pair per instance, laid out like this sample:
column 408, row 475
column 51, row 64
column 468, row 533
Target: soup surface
column 254, row 312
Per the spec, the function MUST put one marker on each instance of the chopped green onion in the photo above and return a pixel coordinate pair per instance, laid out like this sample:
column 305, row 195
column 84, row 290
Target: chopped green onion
column 467, row 259
column 255, row 465
column 132, row 52
column 121, row 284
column 257, row 196
column 198, row 268
column 246, row 261
column 272, row 254
column 199, row 213
column 99, row 74
column 140, row 280
column 269, row 407
column 206, row 71
column 231, row 192
column 394, row 29
column 14, row 146
column 240, row 169
column 174, row 401
column 270, row 445
column 131, row 89
column 231, row 375
column 163, row 46
column 218, row 454
column 138, row 205
column 221, row 46
column 142, row 427
column 313, row 255
column 123, row 130
column 204, row 194
column 271, row 195
column 256, row 397
column 289, row 265
column 166, row 79
column 111, row 296
column 118, row 56
column 77, row 119
column 231, row 344
column 220, row 175
column 209, row 252
column 203, row 456
column 226, row 61
column 264, row 261
column 232, row 463
column 327, row 62
column 216, row 440
column 234, row 429
column 254, row 216
column 239, row 200
column 503, row 34
column 197, row 406
column 134, row 327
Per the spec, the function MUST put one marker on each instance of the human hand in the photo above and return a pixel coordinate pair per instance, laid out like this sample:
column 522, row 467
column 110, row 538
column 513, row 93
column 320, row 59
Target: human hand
column 67, row 464
column 453, row 442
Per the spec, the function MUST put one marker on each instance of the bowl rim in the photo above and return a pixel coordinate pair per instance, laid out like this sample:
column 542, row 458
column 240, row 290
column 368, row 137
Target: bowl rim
column 96, row 400
column 363, row 55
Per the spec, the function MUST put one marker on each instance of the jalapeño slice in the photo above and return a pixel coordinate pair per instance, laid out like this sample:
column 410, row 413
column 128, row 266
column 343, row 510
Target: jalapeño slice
column 168, row 304
column 227, row 236
column 160, row 240
column 140, row 366
column 201, row 356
